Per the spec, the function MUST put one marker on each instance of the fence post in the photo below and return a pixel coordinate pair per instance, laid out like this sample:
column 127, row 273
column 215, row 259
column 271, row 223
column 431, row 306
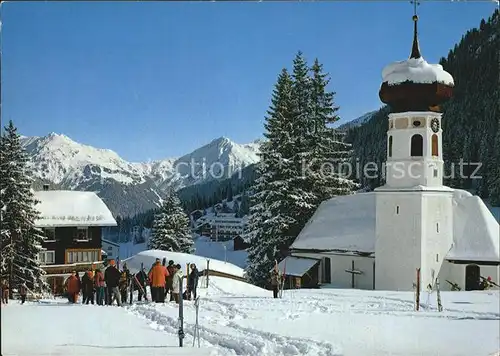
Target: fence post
column 418, row 290
column 181, row 313
column 208, row 270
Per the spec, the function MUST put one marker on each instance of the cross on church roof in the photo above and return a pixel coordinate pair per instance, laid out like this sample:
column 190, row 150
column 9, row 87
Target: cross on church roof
column 415, row 50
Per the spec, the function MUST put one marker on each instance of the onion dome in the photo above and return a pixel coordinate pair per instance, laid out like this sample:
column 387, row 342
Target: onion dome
column 414, row 84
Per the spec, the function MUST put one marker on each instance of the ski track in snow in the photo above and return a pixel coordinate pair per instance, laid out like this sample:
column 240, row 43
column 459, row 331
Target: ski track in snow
column 240, row 340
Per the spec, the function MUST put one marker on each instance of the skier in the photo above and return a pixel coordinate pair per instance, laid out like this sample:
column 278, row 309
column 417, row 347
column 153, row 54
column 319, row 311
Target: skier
column 88, row 288
column 5, row 292
column 177, row 278
column 112, row 277
column 140, row 282
column 73, row 287
column 152, row 289
column 275, row 281
column 158, row 276
column 22, row 292
column 99, row 286
column 124, row 282
column 171, row 271
column 192, row 282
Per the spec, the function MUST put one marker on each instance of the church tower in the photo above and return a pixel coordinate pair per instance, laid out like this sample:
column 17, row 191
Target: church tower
column 414, row 224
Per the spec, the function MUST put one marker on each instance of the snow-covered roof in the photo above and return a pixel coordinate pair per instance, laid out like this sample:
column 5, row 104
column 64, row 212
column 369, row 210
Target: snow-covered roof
column 72, row 208
column 147, row 258
column 296, row 266
column 416, row 70
column 347, row 224
column 344, row 223
column 110, row 242
column 476, row 232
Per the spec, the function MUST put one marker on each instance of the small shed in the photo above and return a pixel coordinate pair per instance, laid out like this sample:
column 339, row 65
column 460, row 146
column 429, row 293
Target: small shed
column 299, row 272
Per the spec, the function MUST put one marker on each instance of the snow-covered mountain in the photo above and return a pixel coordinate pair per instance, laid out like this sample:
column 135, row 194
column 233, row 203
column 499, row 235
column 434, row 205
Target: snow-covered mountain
column 358, row 121
column 131, row 187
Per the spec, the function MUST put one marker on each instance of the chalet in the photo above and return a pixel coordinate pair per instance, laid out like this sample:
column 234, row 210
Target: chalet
column 239, row 243
column 72, row 222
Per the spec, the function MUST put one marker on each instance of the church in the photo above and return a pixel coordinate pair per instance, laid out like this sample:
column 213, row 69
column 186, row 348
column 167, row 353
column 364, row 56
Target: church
column 378, row 240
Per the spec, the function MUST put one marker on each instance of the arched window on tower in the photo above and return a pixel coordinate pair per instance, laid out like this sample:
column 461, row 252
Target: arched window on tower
column 417, row 146
column 390, row 146
column 435, row 146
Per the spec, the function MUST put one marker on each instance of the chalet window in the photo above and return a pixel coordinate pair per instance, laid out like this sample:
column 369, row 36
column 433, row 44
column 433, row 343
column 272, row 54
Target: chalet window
column 81, row 234
column 82, row 256
column 417, row 146
column 50, row 234
column 47, row 257
column 435, row 147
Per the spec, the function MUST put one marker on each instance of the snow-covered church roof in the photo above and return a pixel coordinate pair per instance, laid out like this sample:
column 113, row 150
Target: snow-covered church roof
column 475, row 230
column 72, row 208
column 347, row 224
column 416, row 70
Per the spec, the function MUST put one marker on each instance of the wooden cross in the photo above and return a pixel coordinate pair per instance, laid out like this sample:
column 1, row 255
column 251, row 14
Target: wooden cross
column 353, row 272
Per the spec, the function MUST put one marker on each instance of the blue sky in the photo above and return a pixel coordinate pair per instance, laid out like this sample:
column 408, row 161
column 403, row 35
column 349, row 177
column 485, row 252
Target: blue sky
column 155, row 79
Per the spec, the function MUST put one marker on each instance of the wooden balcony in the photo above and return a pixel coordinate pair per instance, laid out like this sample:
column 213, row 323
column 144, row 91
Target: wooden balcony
column 70, row 267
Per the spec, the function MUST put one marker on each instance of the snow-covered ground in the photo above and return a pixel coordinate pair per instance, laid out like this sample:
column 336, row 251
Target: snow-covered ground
column 240, row 319
column 55, row 327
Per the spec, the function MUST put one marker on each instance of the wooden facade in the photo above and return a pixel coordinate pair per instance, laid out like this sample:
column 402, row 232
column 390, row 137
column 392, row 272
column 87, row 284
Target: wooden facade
column 240, row 244
column 73, row 244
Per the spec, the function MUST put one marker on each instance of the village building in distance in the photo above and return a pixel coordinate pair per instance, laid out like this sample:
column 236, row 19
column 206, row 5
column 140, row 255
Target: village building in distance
column 72, row 222
column 378, row 240
column 110, row 250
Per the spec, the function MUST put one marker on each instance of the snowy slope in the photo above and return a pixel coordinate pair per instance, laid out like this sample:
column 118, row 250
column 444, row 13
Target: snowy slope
column 147, row 258
column 130, row 187
column 240, row 319
column 358, row 121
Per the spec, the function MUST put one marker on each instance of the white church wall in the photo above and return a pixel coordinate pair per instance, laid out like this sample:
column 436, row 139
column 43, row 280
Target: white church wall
column 437, row 210
column 398, row 243
column 455, row 273
column 338, row 266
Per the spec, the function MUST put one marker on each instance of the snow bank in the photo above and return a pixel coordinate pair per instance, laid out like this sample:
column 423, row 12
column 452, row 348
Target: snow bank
column 416, row 71
column 345, row 223
column 476, row 233
column 72, row 208
column 230, row 287
column 149, row 257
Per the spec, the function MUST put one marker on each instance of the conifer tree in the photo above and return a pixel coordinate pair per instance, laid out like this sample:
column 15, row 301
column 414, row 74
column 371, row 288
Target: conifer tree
column 270, row 218
column 171, row 227
column 329, row 154
column 21, row 240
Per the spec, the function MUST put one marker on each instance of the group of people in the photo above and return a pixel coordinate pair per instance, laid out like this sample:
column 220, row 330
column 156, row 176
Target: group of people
column 165, row 279
column 103, row 288
column 115, row 285
column 5, row 290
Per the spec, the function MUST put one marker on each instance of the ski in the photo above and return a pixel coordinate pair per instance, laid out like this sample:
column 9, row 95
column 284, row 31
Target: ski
column 282, row 283
column 438, row 292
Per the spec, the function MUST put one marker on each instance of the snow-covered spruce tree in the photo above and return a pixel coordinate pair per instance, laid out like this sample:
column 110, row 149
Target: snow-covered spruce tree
column 329, row 156
column 21, row 240
column 271, row 226
column 171, row 230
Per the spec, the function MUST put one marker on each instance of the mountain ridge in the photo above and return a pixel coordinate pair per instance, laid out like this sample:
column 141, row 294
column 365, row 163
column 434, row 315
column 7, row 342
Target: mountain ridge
column 66, row 164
